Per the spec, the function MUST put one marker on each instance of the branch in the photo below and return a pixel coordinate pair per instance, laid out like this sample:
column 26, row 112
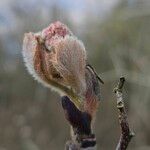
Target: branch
column 126, row 133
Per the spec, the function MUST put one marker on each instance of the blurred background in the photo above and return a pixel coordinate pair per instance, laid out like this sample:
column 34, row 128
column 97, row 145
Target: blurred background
column 116, row 34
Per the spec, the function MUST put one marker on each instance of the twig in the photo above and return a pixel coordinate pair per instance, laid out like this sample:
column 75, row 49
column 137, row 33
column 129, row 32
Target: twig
column 126, row 133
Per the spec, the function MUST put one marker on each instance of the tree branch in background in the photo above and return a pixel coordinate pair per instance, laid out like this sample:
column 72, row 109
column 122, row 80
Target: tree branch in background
column 126, row 133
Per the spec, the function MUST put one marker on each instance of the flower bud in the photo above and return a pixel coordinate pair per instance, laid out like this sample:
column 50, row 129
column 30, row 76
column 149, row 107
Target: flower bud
column 56, row 57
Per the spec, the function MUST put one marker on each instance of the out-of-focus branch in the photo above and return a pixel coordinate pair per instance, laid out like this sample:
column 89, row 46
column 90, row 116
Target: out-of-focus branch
column 126, row 133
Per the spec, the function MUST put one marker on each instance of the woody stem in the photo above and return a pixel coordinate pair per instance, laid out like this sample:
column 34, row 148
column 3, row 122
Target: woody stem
column 126, row 133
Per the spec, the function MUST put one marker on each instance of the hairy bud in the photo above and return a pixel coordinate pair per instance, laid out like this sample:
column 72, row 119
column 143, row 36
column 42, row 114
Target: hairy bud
column 56, row 58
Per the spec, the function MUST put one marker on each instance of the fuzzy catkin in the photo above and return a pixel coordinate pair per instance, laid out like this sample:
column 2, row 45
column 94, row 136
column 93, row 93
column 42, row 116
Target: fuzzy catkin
column 55, row 54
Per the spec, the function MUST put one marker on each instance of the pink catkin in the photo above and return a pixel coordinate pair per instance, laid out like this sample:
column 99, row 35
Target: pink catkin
column 54, row 32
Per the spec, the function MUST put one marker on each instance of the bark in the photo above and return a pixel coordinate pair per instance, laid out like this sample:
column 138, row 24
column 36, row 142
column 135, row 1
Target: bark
column 126, row 132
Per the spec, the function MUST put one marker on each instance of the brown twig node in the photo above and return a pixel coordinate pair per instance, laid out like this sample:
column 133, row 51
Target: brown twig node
column 126, row 133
